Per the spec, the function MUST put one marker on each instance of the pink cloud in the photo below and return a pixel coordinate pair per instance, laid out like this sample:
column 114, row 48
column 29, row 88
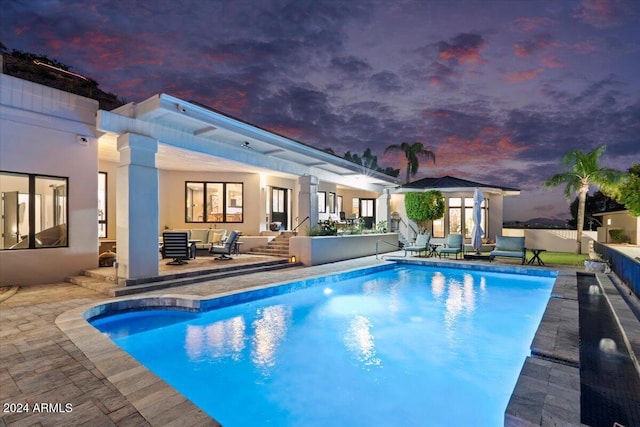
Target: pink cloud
column 526, row 49
column 522, row 76
column 553, row 62
column 463, row 49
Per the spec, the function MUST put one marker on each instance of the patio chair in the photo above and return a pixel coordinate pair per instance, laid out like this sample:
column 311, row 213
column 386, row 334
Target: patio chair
column 225, row 250
column 175, row 244
column 453, row 245
column 421, row 244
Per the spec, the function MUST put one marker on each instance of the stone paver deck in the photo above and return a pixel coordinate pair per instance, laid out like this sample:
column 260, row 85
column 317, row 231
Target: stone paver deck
column 39, row 363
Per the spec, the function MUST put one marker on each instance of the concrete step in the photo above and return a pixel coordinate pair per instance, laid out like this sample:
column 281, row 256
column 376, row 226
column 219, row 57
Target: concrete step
column 146, row 287
column 105, row 284
column 270, row 251
column 95, row 284
column 275, row 248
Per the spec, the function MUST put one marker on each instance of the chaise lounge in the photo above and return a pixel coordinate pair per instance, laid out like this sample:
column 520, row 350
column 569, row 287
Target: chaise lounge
column 421, row 244
column 453, row 245
column 509, row 247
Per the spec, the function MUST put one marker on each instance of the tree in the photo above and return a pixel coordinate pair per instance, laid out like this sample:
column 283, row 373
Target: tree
column 424, row 207
column 584, row 170
column 370, row 161
column 629, row 191
column 412, row 152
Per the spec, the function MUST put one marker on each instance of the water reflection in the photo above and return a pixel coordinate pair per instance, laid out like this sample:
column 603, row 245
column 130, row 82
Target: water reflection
column 223, row 338
column 461, row 297
column 359, row 341
column 270, row 331
column 437, row 285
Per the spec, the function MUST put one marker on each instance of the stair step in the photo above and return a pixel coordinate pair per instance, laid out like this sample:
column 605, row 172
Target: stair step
column 129, row 290
column 105, row 284
column 98, row 285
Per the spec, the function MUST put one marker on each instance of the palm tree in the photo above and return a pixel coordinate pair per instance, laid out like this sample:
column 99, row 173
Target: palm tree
column 412, row 152
column 584, row 171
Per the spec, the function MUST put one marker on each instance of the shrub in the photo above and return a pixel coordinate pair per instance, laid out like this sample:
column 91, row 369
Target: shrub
column 424, row 207
column 618, row 236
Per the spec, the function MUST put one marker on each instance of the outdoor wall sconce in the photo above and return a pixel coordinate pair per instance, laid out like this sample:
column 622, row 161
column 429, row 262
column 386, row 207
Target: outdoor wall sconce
column 292, row 259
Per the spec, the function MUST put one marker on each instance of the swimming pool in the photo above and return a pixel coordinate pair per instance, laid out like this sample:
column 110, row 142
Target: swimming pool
column 409, row 345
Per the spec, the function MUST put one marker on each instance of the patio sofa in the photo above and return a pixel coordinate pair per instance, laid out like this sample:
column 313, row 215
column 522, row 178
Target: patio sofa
column 207, row 236
column 510, row 247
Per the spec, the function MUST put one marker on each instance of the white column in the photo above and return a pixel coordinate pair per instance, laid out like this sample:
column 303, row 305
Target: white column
column 383, row 208
column 308, row 199
column 137, row 207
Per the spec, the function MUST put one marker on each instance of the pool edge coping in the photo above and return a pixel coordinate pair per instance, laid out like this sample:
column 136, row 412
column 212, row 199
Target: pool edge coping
column 119, row 368
column 155, row 399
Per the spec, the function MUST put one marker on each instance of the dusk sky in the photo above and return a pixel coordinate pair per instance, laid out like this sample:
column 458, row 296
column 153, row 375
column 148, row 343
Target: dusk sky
column 499, row 90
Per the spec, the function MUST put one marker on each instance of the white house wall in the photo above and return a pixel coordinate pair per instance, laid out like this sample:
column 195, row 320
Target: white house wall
column 39, row 127
column 495, row 213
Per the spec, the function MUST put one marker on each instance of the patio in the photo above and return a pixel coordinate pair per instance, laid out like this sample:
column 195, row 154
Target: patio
column 40, row 363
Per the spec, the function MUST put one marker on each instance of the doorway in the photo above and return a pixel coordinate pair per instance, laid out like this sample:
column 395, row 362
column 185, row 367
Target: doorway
column 367, row 209
column 279, row 208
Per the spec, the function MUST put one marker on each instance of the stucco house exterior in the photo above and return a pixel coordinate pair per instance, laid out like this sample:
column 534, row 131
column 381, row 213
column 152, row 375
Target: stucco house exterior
column 74, row 177
column 622, row 222
column 71, row 172
column 458, row 195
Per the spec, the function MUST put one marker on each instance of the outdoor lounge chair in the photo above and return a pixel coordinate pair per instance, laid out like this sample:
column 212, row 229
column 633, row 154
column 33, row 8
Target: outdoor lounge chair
column 175, row 244
column 453, row 245
column 225, row 250
column 421, row 244
column 509, row 246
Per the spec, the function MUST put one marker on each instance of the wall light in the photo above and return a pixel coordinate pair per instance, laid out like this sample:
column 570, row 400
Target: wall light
column 293, row 259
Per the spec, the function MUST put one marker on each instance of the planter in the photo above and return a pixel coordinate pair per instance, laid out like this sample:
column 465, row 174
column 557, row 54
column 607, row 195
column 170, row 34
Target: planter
column 313, row 250
column 595, row 266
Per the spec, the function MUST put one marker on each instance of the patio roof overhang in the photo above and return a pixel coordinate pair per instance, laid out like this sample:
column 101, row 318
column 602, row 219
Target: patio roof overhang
column 194, row 137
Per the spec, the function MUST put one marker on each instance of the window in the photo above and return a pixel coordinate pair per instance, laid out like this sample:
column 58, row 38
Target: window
column 102, row 204
column 322, row 201
column 468, row 216
column 367, row 207
column 34, row 211
column 332, row 202
column 438, row 228
column 214, row 202
column 339, row 207
column 455, row 215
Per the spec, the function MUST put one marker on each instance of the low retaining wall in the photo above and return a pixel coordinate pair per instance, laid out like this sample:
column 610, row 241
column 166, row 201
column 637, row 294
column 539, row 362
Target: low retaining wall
column 625, row 267
column 313, row 250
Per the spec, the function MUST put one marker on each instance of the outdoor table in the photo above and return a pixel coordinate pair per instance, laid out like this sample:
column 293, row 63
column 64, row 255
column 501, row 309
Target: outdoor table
column 236, row 248
column 536, row 255
column 432, row 251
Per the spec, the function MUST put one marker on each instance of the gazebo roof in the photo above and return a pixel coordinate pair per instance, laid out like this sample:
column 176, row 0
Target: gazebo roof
column 451, row 184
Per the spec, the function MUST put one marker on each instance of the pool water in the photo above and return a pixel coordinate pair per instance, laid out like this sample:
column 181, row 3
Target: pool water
column 408, row 346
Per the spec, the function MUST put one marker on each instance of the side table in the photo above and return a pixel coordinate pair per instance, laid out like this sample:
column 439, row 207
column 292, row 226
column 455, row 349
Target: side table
column 536, row 256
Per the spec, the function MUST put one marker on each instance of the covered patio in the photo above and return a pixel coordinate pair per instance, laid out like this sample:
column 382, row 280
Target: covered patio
column 180, row 165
